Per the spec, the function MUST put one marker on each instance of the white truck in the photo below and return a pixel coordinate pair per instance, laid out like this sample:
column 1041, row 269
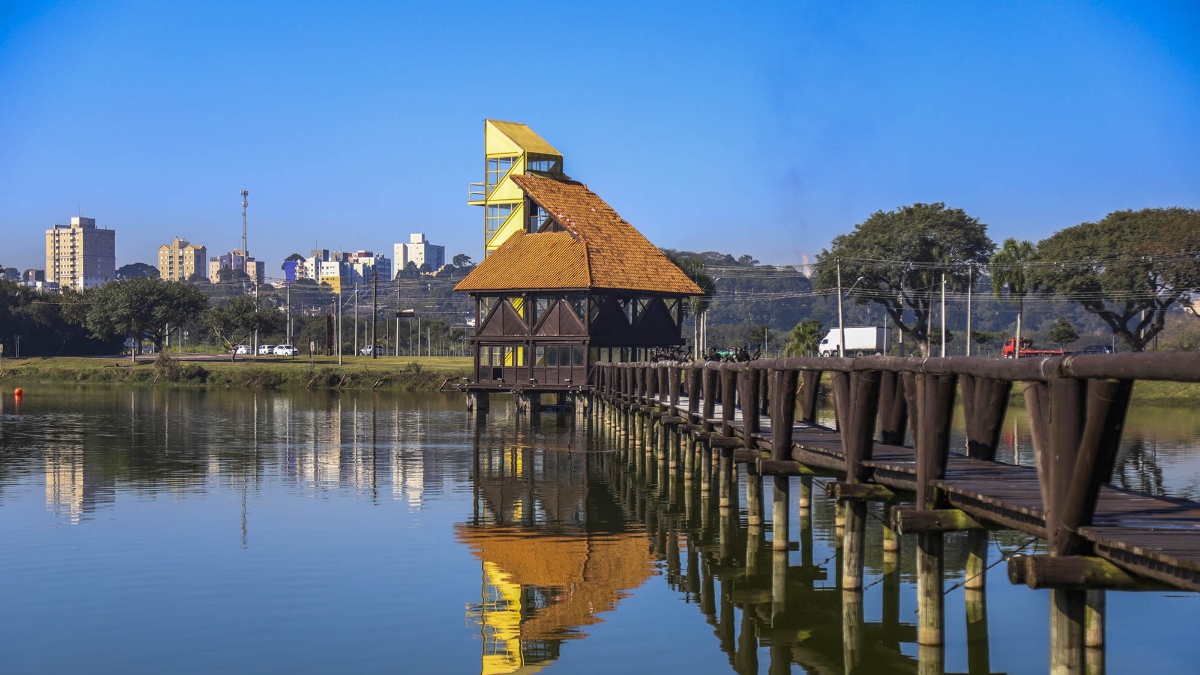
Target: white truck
column 860, row 341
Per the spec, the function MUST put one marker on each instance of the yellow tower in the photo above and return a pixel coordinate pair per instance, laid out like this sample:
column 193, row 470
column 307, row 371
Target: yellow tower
column 510, row 149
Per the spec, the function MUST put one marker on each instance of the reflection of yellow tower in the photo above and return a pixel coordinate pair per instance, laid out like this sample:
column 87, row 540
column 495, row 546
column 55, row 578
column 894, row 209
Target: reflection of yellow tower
column 539, row 590
column 511, row 149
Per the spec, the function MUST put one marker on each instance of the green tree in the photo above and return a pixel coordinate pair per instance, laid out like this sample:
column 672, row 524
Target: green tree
column 137, row 271
column 409, row 271
column 235, row 321
column 293, row 257
column 1063, row 332
column 1128, row 269
column 931, row 238
column 1009, row 268
column 805, row 338
column 228, row 274
column 462, row 260
column 142, row 307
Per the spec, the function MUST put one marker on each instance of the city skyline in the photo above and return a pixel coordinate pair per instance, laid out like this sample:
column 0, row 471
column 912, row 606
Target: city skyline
column 798, row 120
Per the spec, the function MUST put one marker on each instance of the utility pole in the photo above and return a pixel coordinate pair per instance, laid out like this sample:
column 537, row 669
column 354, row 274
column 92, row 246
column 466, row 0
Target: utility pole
column 245, row 253
column 841, row 317
column 970, row 286
column 339, row 324
column 356, row 317
column 943, row 314
column 289, row 314
column 374, row 308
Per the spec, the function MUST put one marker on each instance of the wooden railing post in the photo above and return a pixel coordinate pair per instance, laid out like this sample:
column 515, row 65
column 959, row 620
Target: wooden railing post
column 748, row 390
column 728, row 399
column 673, row 373
column 783, row 415
column 809, row 396
column 709, row 376
column 985, row 402
column 893, row 409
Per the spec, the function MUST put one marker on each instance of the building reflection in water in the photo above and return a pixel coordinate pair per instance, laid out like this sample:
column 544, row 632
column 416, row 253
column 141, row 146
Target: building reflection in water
column 554, row 546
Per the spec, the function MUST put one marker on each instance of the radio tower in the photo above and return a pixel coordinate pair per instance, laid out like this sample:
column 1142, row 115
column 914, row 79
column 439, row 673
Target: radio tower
column 245, row 253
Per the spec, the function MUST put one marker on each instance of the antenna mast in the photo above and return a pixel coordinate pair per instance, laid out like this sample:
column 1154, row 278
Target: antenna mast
column 245, row 253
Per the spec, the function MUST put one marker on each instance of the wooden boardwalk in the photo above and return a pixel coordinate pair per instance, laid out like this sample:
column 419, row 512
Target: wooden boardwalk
column 1152, row 536
column 1099, row 537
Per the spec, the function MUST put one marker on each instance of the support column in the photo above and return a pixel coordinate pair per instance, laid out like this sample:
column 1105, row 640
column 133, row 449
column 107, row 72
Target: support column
column 855, row 541
column 754, row 496
column 779, row 514
column 1066, row 631
column 977, row 553
column 930, row 600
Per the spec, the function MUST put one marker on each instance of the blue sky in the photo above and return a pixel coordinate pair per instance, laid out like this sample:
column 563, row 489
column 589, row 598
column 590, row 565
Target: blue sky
column 752, row 128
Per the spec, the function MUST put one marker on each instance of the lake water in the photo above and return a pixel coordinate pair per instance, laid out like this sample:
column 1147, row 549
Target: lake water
column 231, row 531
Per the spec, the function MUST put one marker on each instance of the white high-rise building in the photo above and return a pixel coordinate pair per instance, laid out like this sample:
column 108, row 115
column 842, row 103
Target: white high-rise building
column 419, row 251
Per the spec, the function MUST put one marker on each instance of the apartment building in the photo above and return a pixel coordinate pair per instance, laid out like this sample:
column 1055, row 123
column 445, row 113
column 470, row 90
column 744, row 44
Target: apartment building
column 179, row 260
column 80, row 255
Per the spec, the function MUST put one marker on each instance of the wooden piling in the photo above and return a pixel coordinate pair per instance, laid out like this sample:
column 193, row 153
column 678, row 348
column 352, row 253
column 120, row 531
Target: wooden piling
column 727, row 486
column 891, row 543
column 855, row 542
column 975, row 575
column 754, row 496
column 1066, row 631
column 930, row 601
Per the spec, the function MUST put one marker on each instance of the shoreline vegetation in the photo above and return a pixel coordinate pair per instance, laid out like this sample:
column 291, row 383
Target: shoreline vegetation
column 405, row 373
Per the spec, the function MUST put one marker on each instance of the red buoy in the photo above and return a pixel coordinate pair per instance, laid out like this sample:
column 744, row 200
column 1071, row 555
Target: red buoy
column 17, row 393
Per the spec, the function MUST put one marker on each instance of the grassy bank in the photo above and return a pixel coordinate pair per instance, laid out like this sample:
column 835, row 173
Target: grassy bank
column 357, row 372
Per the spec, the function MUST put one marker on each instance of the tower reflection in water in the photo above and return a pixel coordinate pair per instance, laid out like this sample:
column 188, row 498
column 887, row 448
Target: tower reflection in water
column 563, row 534
column 554, row 545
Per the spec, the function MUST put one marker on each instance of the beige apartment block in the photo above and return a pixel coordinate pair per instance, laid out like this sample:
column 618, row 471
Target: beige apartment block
column 79, row 255
column 179, row 260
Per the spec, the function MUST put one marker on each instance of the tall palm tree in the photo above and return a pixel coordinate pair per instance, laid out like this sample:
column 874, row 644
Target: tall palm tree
column 696, row 270
column 1007, row 268
column 804, row 339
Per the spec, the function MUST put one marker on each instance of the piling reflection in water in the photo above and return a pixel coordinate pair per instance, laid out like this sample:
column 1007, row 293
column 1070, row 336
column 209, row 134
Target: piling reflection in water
column 792, row 607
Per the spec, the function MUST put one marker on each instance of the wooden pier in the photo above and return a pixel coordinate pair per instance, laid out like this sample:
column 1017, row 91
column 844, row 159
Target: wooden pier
column 705, row 420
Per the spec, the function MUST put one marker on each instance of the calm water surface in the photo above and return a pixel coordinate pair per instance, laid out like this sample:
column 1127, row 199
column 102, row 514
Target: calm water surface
column 232, row 531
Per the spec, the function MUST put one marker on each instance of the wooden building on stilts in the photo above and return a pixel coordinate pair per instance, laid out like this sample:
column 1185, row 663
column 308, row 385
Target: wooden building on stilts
column 565, row 281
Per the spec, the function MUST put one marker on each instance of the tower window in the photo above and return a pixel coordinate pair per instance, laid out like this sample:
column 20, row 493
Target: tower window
column 496, row 168
column 496, row 215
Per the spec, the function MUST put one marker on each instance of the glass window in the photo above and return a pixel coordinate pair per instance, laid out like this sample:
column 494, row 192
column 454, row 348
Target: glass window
column 577, row 355
column 539, row 356
column 496, row 168
column 537, row 217
column 496, row 215
column 540, row 307
column 544, row 165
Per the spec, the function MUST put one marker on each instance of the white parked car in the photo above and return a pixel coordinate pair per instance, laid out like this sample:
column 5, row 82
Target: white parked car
column 286, row 350
column 266, row 350
column 366, row 351
column 242, row 349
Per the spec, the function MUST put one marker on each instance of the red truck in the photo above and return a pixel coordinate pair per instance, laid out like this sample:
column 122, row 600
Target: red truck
column 1027, row 349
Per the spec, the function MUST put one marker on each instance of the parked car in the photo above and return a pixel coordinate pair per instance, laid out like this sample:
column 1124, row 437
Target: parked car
column 286, row 350
column 242, row 349
column 266, row 350
column 1097, row 349
column 366, row 351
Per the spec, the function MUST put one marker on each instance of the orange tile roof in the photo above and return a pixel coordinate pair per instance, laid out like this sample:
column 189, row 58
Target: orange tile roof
column 598, row 250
